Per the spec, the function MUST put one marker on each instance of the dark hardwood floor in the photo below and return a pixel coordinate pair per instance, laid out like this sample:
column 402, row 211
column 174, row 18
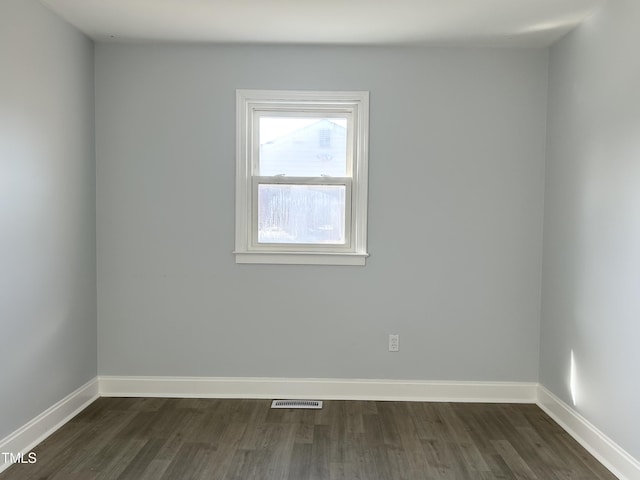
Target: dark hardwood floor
column 159, row 438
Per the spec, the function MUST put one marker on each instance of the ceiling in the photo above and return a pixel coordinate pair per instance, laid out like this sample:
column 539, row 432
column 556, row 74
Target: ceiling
column 532, row 23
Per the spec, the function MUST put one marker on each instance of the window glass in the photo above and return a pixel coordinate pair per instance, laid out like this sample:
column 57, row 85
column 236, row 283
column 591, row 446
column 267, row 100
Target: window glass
column 301, row 213
column 303, row 146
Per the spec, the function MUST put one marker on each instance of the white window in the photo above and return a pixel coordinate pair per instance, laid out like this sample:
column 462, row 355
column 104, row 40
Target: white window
column 301, row 177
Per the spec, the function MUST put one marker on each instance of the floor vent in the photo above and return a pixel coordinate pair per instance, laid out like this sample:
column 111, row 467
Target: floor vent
column 296, row 404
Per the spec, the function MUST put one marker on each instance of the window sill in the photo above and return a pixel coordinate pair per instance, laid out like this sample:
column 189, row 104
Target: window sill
column 291, row 258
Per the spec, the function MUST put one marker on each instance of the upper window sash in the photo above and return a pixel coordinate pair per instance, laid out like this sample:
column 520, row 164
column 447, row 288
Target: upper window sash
column 315, row 112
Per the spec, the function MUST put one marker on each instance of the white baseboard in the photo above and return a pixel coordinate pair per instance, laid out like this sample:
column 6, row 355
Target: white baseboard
column 319, row 389
column 605, row 450
column 611, row 455
column 35, row 431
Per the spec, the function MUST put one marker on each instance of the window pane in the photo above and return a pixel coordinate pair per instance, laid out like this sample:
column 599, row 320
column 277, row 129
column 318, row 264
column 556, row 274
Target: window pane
column 301, row 214
column 303, row 147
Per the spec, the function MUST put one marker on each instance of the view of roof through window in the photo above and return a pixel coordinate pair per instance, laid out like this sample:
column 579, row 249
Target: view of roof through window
column 272, row 128
column 303, row 147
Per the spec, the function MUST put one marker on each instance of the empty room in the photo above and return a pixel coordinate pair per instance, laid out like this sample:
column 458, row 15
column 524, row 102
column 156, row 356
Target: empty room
column 319, row 240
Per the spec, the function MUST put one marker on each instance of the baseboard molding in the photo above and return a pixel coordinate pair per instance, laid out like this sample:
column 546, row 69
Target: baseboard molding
column 611, row 455
column 35, row 431
column 319, row 389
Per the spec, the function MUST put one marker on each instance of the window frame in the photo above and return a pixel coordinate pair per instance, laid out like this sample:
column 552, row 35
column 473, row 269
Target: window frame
column 250, row 106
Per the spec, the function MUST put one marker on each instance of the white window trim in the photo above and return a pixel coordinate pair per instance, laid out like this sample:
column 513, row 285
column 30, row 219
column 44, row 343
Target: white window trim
column 354, row 104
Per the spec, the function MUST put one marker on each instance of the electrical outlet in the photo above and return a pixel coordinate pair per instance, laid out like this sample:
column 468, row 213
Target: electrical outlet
column 394, row 343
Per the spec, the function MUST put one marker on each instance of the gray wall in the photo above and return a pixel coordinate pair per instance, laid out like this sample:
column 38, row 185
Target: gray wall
column 455, row 226
column 47, row 212
column 591, row 278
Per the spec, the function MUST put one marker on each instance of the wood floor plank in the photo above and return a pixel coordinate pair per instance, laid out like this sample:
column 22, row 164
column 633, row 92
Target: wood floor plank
column 339, row 431
column 227, row 444
column 515, row 462
column 188, row 462
column 304, row 430
column 140, row 463
column 279, row 448
column 219, row 439
column 319, row 468
column 300, row 461
column 352, row 466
